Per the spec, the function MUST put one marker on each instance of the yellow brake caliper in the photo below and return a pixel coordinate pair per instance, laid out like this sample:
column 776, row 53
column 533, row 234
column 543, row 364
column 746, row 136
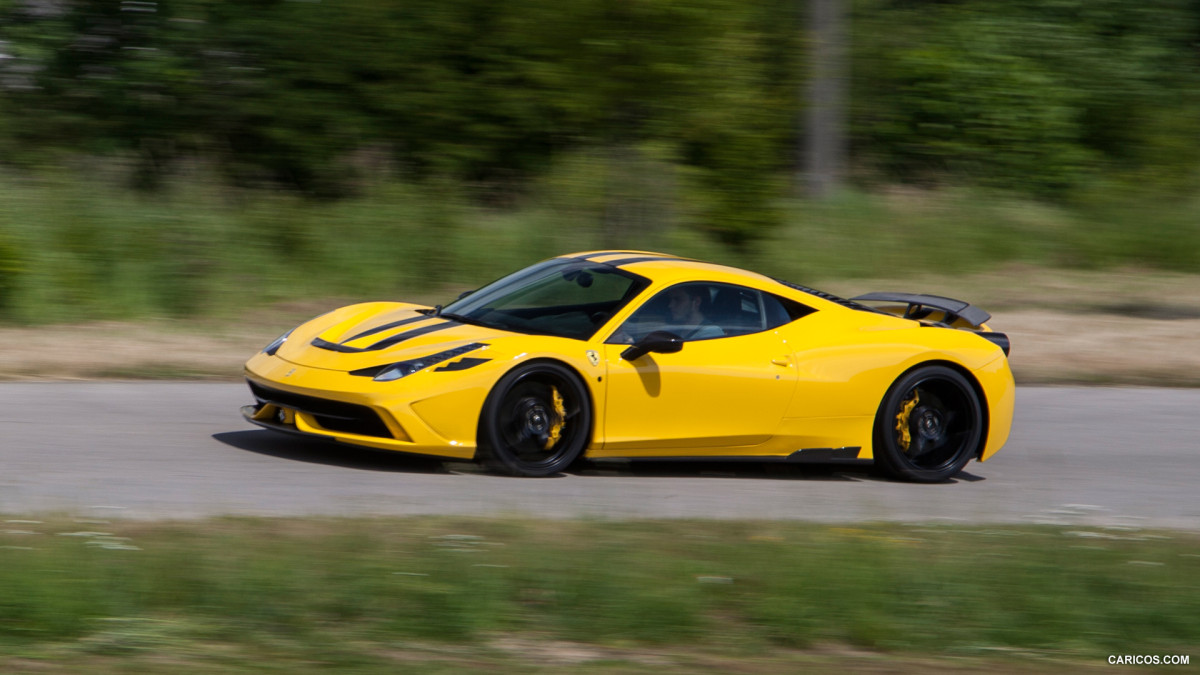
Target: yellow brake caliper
column 906, row 409
column 560, row 418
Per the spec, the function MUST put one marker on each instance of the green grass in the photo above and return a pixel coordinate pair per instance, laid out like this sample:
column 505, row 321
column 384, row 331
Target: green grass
column 73, row 248
column 350, row 591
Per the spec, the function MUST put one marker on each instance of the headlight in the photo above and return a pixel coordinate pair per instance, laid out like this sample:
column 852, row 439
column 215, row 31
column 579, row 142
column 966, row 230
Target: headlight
column 395, row 371
column 270, row 349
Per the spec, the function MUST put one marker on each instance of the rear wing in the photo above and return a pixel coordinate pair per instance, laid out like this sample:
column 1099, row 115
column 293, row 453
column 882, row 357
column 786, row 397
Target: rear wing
column 920, row 306
column 955, row 313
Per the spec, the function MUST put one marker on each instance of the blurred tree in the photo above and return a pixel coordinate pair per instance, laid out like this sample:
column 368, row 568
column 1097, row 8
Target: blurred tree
column 1037, row 96
column 95, row 75
column 11, row 269
column 1031, row 96
column 625, row 75
column 824, row 130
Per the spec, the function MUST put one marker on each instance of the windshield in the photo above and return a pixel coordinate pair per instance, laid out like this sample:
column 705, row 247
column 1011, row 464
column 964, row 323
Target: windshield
column 561, row 297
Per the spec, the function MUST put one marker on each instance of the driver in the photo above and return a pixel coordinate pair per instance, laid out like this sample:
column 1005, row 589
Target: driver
column 686, row 316
column 687, row 305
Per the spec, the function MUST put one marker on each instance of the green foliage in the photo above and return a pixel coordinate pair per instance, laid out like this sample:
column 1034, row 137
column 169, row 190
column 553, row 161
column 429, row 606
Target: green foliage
column 728, row 585
column 1038, row 97
column 688, row 110
column 323, row 97
column 83, row 249
column 11, row 268
column 982, row 118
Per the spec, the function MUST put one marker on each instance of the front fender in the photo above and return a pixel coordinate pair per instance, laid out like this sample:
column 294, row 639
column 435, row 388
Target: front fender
column 453, row 413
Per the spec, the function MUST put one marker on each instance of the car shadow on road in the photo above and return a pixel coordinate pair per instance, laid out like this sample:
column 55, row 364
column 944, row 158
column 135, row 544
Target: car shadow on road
column 745, row 470
column 856, row 473
column 315, row 451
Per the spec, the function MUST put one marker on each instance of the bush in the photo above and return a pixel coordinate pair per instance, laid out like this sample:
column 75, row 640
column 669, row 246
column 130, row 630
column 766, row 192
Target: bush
column 11, row 268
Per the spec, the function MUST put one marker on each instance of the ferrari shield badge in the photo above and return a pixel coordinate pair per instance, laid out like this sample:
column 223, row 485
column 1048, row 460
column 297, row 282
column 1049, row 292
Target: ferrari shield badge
column 593, row 357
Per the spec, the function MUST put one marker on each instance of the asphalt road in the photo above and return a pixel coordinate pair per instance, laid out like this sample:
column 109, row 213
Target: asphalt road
column 1095, row 456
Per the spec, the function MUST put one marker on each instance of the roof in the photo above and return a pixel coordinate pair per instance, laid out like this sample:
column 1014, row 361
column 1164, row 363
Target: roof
column 667, row 267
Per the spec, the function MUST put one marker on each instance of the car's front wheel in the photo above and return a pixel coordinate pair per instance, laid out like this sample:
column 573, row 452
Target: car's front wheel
column 536, row 420
column 929, row 425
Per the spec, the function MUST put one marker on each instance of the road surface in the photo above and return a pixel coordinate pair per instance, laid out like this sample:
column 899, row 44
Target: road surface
column 1094, row 456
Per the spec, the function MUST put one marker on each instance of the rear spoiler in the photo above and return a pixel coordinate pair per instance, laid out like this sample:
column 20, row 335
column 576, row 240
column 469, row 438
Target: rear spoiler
column 920, row 306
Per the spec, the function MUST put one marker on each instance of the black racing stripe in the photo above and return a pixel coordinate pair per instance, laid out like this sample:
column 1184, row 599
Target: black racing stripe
column 416, row 332
column 388, row 326
column 643, row 258
column 383, row 344
column 600, row 254
column 335, row 347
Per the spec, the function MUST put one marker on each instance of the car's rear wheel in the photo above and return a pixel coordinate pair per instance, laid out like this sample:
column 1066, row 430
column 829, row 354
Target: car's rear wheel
column 929, row 425
column 536, row 420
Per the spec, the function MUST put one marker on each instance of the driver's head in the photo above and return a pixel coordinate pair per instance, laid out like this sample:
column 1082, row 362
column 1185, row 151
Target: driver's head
column 685, row 304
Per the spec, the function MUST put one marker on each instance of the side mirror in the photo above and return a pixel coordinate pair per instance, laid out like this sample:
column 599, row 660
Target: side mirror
column 659, row 342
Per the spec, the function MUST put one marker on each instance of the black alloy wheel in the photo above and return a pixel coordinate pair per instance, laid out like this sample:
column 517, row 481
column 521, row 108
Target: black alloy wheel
column 536, row 421
column 929, row 425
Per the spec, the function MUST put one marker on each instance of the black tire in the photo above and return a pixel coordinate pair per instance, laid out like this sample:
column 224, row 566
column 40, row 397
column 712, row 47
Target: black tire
column 941, row 412
column 517, row 432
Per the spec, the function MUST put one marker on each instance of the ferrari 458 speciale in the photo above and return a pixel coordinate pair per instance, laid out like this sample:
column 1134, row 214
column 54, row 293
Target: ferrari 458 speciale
column 636, row 355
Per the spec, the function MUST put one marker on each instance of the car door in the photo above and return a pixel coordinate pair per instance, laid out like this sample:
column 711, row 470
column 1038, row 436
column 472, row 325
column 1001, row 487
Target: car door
column 722, row 394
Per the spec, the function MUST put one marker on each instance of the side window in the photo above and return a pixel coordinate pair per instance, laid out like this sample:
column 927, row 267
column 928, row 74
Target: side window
column 781, row 311
column 704, row 311
column 738, row 310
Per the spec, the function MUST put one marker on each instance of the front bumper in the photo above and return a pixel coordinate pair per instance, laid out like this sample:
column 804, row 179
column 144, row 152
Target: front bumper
column 337, row 406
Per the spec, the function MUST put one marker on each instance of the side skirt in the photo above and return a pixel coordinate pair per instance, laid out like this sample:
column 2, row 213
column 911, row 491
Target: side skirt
column 846, row 455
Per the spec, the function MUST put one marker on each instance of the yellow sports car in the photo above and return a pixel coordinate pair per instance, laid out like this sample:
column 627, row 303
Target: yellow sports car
column 636, row 355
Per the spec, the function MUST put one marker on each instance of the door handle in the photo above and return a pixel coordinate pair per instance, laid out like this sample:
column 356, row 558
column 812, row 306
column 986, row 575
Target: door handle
column 784, row 361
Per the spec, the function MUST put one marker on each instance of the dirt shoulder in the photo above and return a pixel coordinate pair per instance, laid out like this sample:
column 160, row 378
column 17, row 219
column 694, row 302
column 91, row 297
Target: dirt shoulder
column 1124, row 327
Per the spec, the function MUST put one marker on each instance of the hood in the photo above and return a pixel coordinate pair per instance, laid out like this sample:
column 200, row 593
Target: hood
column 373, row 334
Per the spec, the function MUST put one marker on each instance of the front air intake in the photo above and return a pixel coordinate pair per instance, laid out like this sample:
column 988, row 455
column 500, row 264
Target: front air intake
column 349, row 418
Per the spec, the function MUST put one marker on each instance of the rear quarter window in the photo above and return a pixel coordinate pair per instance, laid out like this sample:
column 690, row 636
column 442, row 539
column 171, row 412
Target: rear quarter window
column 781, row 311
